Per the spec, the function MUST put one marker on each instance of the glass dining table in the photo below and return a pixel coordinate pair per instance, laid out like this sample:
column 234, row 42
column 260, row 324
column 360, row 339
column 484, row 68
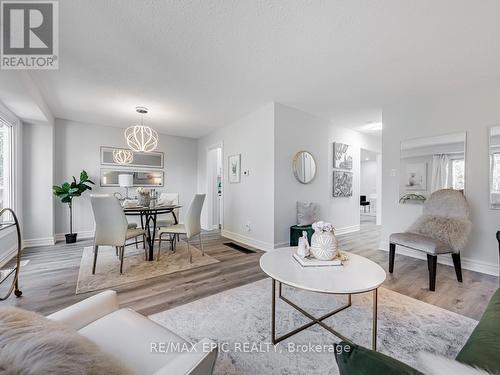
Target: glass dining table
column 149, row 216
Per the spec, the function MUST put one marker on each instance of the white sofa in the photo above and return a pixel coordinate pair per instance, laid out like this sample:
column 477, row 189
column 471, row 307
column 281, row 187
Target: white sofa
column 129, row 337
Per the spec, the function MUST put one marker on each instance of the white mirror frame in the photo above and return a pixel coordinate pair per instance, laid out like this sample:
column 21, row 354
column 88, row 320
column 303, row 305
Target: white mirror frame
column 295, row 169
column 159, row 154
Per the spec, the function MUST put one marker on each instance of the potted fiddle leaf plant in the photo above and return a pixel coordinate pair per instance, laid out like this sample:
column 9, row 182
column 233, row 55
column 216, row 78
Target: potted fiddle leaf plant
column 69, row 190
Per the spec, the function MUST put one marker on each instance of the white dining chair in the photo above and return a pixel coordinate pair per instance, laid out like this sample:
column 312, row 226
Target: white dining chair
column 111, row 227
column 168, row 220
column 190, row 228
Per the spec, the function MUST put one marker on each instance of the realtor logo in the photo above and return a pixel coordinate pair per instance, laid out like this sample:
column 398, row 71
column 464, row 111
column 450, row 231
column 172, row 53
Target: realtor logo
column 29, row 35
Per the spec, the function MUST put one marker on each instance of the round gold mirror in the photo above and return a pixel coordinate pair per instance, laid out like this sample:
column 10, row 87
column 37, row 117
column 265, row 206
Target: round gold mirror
column 304, row 167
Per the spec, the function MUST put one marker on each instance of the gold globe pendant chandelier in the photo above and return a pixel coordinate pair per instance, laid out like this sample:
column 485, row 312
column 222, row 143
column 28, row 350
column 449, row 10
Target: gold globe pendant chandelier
column 121, row 156
column 141, row 138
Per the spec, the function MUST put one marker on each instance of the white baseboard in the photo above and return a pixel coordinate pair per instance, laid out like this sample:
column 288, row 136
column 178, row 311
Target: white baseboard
column 281, row 244
column 261, row 245
column 8, row 255
column 81, row 235
column 467, row 263
column 35, row 242
column 210, row 228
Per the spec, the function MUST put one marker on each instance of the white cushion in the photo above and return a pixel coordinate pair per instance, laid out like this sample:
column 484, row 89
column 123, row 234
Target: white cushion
column 306, row 213
column 174, row 229
column 132, row 233
column 33, row 344
column 165, row 222
column 418, row 242
column 128, row 335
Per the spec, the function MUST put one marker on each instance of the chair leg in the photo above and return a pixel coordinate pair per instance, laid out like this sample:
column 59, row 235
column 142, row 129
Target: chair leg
column 172, row 238
column 122, row 251
column 201, row 245
column 458, row 266
column 116, row 250
column 190, row 256
column 432, row 262
column 96, row 248
column 159, row 247
column 392, row 255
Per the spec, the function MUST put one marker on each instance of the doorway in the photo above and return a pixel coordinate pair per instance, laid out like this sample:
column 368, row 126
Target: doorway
column 215, row 180
column 370, row 200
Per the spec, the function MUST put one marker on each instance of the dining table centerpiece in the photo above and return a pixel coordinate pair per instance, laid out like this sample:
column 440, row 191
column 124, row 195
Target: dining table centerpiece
column 143, row 196
column 324, row 244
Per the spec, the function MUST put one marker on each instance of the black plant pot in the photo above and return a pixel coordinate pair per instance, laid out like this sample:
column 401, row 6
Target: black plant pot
column 71, row 237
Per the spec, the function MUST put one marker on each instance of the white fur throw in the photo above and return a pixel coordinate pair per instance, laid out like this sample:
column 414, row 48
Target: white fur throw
column 33, row 344
column 452, row 231
column 437, row 365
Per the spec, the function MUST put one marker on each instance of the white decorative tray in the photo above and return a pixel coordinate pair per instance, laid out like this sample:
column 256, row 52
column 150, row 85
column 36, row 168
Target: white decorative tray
column 312, row 262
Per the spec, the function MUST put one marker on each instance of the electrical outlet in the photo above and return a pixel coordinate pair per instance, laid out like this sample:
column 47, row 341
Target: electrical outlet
column 393, row 172
column 248, row 227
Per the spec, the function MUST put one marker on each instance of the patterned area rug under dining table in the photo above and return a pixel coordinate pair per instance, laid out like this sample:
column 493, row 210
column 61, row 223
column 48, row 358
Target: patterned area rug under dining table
column 135, row 267
column 239, row 321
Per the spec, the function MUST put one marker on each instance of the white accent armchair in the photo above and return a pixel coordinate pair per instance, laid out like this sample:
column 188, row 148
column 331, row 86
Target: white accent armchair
column 131, row 338
column 443, row 228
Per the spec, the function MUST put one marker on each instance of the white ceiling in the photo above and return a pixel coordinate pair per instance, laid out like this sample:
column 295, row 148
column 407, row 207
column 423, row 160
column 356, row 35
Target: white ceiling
column 200, row 64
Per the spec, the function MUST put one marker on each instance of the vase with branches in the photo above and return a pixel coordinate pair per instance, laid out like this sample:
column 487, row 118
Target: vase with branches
column 69, row 190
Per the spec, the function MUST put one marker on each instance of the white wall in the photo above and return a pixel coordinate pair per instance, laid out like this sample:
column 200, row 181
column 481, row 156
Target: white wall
column 296, row 130
column 38, row 170
column 77, row 147
column 252, row 200
column 21, row 100
column 472, row 111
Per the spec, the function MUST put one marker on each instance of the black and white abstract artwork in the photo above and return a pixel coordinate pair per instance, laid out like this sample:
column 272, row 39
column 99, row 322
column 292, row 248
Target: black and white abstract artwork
column 342, row 156
column 342, row 184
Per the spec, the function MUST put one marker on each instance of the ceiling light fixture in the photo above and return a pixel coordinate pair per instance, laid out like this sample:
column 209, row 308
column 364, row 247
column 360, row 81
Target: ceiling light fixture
column 141, row 138
column 121, row 156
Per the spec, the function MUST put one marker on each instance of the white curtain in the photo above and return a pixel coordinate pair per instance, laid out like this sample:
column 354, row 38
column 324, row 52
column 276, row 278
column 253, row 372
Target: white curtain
column 440, row 172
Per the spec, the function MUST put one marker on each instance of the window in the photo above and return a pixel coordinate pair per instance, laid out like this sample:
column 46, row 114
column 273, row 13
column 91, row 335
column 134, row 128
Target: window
column 5, row 164
column 457, row 174
column 495, row 173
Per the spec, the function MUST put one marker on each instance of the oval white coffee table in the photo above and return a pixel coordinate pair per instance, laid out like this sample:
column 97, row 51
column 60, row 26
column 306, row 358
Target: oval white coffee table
column 357, row 275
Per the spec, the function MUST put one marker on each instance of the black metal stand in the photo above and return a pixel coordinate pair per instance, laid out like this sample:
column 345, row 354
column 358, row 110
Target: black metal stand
column 148, row 223
column 150, row 218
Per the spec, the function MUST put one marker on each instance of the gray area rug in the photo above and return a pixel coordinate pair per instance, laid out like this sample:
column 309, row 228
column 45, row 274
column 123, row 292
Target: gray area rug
column 242, row 316
column 135, row 268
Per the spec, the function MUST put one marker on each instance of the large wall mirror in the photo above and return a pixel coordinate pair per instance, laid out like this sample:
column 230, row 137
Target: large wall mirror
column 430, row 164
column 494, row 150
column 110, row 178
column 304, row 167
column 139, row 159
